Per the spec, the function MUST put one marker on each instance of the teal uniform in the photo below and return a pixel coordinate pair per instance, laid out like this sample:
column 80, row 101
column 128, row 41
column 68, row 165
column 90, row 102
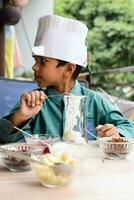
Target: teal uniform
column 50, row 119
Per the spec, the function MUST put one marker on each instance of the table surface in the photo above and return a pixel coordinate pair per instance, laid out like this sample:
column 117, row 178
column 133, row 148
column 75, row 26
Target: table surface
column 98, row 179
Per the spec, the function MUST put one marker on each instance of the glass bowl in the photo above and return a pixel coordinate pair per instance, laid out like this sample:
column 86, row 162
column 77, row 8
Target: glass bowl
column 40, row 138
column 61, row 166
column 78, row 151
column 119, row 146
column 50, row 139
column 16, row 164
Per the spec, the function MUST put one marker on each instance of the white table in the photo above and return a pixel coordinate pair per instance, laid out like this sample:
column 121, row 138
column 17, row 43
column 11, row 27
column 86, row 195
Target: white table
column 98, row 179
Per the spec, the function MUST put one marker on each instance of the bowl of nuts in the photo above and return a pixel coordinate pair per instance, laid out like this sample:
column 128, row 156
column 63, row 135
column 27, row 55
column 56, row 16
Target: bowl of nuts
column 119, row 146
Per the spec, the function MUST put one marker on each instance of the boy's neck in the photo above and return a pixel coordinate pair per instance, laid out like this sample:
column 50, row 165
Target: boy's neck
column 65, row 88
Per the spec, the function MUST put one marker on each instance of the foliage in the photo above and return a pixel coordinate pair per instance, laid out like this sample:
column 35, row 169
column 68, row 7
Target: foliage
column 111, row 34
column 28, row 75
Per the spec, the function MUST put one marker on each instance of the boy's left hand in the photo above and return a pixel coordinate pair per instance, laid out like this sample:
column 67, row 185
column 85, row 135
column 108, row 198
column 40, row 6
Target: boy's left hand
column 107, row 130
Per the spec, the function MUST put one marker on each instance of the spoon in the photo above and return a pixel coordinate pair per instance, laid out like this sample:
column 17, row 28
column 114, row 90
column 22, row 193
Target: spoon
column 94, row 136
column 61, row 168
column 58, row 167
column 65, row 93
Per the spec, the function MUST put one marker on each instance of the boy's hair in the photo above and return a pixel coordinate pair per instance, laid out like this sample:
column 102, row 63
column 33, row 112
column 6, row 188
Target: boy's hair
column 76, row 72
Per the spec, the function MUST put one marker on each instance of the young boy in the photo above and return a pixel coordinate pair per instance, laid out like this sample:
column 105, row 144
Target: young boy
column 60, row 53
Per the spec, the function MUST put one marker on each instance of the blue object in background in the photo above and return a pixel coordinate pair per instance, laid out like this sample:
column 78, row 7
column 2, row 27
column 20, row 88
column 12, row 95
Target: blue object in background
column 10, row 92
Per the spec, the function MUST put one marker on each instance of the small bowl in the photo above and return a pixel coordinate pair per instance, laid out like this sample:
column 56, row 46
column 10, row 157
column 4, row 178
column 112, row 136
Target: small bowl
column 116, row 145
column 16, row 164
column 50, row 139
column 39, row 138
column 53, row 174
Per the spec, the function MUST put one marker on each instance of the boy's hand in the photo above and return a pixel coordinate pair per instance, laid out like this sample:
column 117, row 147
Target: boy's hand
column 107, row 130
column 31, row 103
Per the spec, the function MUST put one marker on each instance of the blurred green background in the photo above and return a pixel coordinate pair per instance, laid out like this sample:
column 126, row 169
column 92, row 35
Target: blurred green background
column 110, row 40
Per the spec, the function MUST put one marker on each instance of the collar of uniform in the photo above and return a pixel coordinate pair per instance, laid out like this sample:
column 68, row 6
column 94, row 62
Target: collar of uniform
column 76, row 90
column 57, row 97
column 54, row 96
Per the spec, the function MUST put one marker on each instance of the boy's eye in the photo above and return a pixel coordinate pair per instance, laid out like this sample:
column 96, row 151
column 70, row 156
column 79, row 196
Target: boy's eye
column 42, row 60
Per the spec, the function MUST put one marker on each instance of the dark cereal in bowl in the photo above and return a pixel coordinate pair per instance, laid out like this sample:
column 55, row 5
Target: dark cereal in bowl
column 17, row 164
column 116, row 145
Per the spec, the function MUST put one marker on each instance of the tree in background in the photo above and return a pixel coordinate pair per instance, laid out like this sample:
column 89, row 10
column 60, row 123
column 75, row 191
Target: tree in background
column 110, row 37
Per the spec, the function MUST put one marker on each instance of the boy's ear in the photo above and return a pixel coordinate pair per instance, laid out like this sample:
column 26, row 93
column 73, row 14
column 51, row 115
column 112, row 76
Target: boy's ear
column 70, row 68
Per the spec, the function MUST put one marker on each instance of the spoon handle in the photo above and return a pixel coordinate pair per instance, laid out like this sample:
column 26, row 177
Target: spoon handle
column 94, row 136
column 26, row 133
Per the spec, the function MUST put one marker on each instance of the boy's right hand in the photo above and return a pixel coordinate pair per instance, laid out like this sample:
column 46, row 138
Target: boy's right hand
column 31, row 103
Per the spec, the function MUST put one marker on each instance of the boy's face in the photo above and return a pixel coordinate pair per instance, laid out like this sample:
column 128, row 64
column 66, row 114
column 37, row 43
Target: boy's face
column 47, row 73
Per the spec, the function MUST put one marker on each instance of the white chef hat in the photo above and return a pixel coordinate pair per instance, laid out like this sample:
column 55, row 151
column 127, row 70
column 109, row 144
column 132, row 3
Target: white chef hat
column 61, row 38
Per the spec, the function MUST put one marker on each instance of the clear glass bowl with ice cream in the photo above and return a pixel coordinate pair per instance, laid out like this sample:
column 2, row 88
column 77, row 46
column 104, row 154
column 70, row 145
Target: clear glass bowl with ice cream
column 61, row 165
